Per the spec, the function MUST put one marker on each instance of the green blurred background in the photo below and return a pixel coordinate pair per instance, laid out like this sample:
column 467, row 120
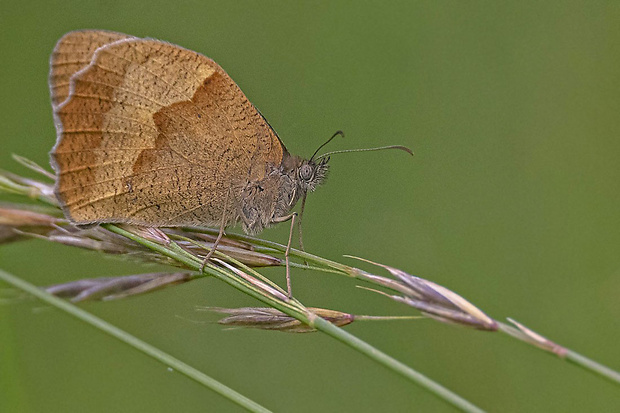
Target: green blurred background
column 513, row 110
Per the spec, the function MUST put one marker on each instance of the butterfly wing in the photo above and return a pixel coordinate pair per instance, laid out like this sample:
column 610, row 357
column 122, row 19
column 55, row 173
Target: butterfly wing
column 72, row 53
column 155, row 134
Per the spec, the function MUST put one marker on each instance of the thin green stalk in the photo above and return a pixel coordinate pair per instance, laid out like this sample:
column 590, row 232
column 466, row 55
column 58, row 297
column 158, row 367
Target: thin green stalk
column 394, row 365
column 592, row 366
column 239, row 264
column 194, row 263
column 561, row 352
column 136, row 343
column 316, row 322
column 342, row 269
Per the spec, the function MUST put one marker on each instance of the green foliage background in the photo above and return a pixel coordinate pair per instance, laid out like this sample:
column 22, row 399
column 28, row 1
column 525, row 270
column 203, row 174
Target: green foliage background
column 511, row 200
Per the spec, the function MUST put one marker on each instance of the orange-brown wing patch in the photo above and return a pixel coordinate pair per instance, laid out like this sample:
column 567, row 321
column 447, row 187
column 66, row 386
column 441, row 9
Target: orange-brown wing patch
column 157, row 135
column 72, row 53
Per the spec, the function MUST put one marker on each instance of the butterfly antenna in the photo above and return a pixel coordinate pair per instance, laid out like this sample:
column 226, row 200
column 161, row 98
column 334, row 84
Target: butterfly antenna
column 341, row 133
column 380, row 148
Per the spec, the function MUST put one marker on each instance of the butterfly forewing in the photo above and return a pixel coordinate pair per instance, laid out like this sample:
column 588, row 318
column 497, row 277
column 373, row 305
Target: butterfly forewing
column 151, row 133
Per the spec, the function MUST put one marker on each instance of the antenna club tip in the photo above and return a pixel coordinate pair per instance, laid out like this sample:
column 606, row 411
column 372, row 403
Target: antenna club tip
column 402, row 148
column 408, row 150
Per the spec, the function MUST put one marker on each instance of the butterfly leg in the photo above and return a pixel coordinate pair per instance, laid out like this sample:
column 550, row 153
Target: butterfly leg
column 301, row 215
column 288, row 249
column 219, row 236
column 214, row 247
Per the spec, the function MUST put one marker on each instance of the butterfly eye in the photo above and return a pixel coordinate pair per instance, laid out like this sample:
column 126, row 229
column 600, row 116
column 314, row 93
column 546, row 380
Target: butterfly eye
column 306, row 172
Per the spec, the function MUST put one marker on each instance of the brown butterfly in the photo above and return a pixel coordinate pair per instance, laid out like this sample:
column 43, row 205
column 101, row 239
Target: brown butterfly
column 153, row 134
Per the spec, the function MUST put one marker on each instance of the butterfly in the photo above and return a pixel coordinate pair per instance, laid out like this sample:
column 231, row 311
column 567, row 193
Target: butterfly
column 153, row 134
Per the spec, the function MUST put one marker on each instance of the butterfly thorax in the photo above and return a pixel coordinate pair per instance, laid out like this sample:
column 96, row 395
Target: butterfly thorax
column 264, row 202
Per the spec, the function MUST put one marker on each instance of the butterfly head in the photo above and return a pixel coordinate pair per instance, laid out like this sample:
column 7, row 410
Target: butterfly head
column 310, row 174
column 302, row 176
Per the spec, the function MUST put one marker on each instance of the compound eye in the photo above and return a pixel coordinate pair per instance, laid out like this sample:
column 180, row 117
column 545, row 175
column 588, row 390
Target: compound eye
column 305, row 172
